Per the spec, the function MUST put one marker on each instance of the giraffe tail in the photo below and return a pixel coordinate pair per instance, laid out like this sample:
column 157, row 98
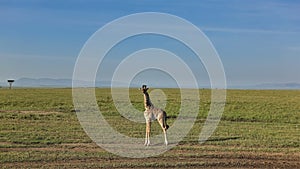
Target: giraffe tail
column 166, row 126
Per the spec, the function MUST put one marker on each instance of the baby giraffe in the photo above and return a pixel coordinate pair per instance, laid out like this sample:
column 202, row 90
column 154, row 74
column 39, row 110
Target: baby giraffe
column 152, row 113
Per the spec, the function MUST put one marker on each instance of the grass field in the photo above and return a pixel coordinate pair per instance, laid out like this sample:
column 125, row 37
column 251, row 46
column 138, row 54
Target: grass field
column 259, row 129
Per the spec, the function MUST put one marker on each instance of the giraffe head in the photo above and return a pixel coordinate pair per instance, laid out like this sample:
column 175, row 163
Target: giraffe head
column 144, row 88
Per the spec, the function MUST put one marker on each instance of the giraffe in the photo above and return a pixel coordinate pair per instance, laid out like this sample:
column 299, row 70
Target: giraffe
column 152, row 113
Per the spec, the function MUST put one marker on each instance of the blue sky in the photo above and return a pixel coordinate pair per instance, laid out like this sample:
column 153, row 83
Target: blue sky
column 258, row 41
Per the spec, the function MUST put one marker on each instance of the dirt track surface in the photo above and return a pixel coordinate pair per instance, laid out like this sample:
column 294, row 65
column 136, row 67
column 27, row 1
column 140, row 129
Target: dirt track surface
column 184, row 156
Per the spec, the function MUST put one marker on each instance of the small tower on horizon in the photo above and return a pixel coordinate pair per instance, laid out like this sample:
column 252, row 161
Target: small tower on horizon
column 10, row 82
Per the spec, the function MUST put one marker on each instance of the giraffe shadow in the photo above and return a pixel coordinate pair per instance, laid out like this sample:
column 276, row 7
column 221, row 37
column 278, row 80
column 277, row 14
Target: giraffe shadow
column 222, row 139
column 194, row 142
column 218, row 139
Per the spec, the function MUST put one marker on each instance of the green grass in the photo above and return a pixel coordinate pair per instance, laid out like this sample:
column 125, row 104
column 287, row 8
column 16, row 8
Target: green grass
column 281, row 106
column 43, row 122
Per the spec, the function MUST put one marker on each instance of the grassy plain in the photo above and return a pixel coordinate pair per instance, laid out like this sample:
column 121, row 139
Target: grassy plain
column 259, row 129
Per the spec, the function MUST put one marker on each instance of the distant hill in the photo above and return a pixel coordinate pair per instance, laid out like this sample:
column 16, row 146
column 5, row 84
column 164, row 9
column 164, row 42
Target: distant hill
column 43, row 82
column 278, row 86
column 267, row 86
column 49, row 82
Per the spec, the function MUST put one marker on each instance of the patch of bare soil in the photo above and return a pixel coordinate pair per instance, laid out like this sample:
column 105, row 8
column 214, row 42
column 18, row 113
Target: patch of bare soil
column 193, row 157
column 31, row 112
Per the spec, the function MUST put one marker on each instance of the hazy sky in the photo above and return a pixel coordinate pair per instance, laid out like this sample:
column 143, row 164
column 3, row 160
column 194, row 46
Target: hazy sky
column 258, row 41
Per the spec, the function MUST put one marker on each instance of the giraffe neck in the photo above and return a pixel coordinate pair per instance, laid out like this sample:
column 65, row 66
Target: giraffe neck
column 147, row 101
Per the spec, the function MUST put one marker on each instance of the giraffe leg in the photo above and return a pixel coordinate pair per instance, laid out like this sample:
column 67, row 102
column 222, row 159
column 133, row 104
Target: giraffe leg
column 165, row 134
column 164, row 128
column 147, row 138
